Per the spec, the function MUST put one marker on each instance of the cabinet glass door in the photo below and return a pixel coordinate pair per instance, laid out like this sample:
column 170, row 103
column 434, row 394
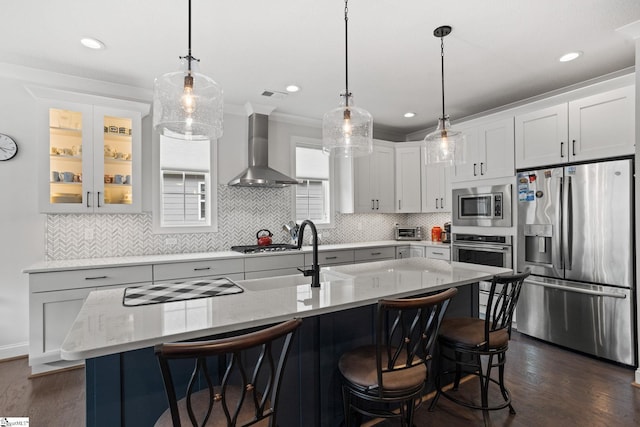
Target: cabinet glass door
column 65, row 156
column 118, row 153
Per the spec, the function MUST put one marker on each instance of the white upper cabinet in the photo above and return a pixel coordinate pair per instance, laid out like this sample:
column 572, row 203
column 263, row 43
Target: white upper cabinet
column 90, row 154
column 488, row 151
column 436, row 187
column 590, row 128
column 409, row 164
column 374, row 180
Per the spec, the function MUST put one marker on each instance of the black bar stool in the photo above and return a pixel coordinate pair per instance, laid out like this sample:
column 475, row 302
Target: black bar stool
column 248, row 392
column 465, row 340
column 387, row 379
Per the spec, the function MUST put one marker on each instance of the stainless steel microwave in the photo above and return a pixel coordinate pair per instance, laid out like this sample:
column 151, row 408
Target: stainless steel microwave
column 487, row 206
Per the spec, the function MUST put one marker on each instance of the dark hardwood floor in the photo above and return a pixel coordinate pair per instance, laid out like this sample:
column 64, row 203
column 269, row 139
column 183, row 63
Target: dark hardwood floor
column 49, row 400
column 550, row 387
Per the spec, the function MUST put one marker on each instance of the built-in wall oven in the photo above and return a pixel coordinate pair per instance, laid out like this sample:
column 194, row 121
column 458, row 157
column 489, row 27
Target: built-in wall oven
column 496, row 251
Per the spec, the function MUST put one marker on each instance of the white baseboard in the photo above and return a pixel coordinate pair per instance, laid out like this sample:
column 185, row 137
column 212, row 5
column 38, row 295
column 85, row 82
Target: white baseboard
column 14, row 350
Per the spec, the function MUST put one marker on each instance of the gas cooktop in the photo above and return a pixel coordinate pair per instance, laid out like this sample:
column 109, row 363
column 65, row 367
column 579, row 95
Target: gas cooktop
column 253, row 249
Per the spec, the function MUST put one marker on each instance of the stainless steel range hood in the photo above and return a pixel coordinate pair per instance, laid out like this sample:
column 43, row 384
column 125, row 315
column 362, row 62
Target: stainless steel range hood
column 259, row 174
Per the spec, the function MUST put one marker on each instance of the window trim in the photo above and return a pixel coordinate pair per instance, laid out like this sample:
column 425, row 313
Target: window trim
column 157, row 197
column 316, row 143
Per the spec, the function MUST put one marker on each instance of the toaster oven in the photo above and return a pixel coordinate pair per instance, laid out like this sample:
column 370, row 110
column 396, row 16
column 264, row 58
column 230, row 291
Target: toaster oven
column 406, row 232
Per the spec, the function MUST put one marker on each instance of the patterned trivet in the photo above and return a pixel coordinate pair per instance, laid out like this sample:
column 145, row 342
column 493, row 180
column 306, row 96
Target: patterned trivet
column 179, row 291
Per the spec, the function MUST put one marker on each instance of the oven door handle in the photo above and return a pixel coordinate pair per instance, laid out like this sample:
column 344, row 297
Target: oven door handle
column 577, row 290
column 484, row 248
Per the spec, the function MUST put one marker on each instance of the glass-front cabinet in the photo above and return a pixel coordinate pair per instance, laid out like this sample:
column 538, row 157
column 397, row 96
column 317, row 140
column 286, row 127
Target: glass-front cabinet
column 93, row 157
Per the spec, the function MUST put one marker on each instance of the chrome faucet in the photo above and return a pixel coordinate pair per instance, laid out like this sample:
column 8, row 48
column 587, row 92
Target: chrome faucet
column 315, row 268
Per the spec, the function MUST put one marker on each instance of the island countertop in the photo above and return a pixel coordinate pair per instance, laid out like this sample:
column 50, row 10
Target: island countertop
column 105, row 326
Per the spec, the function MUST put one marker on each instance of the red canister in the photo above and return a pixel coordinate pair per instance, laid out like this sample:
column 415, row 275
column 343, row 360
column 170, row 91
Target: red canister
column 436, row 234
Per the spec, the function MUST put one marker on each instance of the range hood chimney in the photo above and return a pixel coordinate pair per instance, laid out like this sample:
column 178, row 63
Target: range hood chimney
column 259, row 174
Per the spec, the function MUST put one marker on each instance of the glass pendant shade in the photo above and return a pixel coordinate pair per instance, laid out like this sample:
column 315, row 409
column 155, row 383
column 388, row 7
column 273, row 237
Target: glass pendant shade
column 347, row 131
column 441, row 144
column 187, row 105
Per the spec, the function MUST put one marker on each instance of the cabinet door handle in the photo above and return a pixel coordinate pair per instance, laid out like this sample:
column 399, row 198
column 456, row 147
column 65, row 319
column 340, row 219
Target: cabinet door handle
column 436, row 203
column 331, row 257
column 561, row 149
column 437, row 253
column 399, row 204
column 474, row 169
column 95, row 278
column 373, row 205
column 377, row 204
column 376, row 253
column 88, row 194
column 441, row 203
column 574, row 147
column 99, row 199
column 481, row 171
column 202, row 269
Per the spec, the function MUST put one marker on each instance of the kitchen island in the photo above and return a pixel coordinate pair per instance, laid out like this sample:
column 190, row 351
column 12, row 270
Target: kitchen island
column 122, row 376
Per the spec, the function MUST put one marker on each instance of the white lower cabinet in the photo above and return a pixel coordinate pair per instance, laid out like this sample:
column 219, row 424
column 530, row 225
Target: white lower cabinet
column 409, row 252
column 190, row 269
column 438, row 252
column 374, row 254
column 55, row 300
column 330, row 258
column 262, row 266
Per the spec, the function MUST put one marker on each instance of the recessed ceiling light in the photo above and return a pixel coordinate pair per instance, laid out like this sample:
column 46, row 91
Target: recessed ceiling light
column 410, row 114
column 570, row 56
column 292, row 88
column 92, row 43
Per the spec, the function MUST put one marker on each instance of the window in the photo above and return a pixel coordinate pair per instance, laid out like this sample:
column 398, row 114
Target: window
column 186, row 196
column 313, row 196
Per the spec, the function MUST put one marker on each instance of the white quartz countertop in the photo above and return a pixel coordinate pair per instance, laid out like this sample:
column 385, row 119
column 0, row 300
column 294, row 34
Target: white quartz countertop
column 79, row 264
column 105, row 326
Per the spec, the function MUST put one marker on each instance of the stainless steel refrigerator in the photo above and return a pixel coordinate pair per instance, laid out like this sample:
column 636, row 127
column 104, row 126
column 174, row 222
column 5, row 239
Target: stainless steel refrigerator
column 576, row 234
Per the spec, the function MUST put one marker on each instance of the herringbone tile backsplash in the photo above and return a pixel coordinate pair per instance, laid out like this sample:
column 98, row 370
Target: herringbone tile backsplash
column 241, row 213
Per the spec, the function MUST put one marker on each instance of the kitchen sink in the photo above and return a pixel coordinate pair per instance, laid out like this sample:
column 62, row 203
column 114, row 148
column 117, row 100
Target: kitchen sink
column 278, row 282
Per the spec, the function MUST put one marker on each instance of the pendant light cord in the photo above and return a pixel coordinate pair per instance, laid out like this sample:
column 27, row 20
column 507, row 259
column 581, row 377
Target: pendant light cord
column 189, row 57
column 346, row 53
column 442, row 72
column 189, row 41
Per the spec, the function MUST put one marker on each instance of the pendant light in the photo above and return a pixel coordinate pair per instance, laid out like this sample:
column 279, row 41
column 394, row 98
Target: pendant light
column 186, row 104
column 347, row 131
column 441, row 144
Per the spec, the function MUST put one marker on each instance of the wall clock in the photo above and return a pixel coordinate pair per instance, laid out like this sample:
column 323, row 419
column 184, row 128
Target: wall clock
column 8, row 147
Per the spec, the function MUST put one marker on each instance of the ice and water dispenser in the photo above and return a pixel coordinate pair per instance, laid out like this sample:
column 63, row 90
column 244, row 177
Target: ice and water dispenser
column 538, row 248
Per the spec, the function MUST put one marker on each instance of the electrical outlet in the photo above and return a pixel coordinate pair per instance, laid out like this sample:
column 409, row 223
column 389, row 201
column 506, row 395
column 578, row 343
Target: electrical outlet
column 88, row 234
column 170, row 241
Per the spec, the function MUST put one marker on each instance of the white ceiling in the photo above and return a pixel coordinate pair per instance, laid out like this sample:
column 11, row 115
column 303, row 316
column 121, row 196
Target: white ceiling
column 500, row 51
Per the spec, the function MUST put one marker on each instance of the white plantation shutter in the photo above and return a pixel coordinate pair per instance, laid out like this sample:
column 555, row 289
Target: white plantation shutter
column 184, row 196
column 311, row 199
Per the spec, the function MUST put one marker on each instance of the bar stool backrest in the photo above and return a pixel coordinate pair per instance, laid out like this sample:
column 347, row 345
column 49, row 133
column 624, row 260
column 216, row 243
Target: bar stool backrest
column 250, row 382
column 406, row 332
column 502, row 301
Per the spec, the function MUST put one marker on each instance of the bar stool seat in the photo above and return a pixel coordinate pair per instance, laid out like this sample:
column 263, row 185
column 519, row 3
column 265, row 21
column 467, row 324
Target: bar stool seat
column 465, row 340
column 359, row 368
column 468, row 331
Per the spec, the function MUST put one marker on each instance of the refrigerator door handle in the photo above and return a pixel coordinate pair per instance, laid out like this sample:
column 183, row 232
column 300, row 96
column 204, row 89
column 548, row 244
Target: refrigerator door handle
column 577, row 290
column 568, row 230
column 557, row 232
